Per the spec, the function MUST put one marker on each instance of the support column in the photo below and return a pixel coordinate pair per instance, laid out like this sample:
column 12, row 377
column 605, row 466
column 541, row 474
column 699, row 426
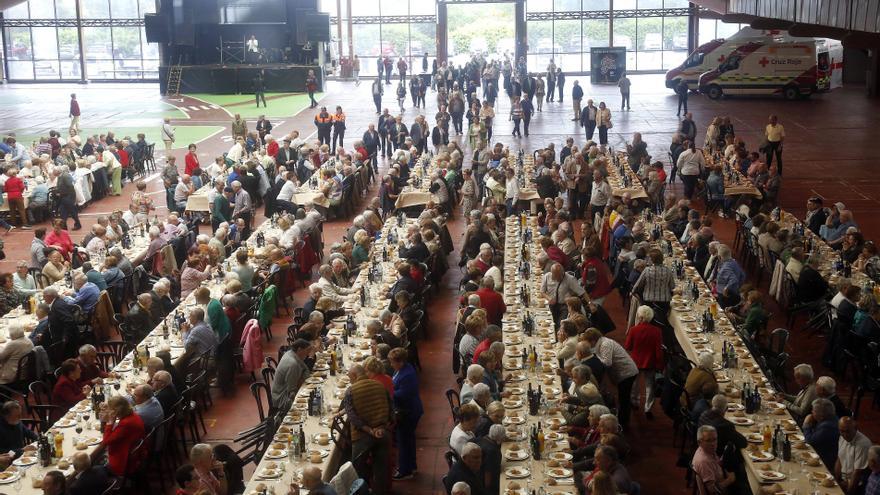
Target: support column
column 349, row 28
column 79, row 36
column 873, row 79
column 520, row 30
column 339, row 19
column 442, row 32
column 693, row 28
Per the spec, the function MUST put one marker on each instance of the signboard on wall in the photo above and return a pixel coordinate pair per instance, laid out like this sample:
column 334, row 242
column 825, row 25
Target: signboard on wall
column 607, row 64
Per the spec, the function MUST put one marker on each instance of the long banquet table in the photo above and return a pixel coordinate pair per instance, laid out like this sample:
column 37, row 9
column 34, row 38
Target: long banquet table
column 685, row 318
column 278, row 467
column 518, row 465
column 128, row 373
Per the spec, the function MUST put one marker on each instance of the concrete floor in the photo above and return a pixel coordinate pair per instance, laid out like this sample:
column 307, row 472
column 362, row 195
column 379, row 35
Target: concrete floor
column 830, row 140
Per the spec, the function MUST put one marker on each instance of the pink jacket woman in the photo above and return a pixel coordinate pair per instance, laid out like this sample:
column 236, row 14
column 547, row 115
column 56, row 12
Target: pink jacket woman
column 252, row 346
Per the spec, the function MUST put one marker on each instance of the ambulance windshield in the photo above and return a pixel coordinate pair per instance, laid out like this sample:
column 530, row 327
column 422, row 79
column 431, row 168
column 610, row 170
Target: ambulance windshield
column 695, row 59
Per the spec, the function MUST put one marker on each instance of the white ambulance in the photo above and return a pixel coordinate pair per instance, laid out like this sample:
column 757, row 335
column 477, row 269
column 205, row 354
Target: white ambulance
column 792, row 68
column 708, row 55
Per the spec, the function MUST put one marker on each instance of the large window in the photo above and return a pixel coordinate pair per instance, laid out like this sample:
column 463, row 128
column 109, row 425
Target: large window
column 653, row 43
column 713, row 29
column 391, row 38
column 53, row 53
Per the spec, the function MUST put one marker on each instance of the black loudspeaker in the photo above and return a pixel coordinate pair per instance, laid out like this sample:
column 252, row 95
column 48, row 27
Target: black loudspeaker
column 156, row 27
column 318, row 26
column 184, row 27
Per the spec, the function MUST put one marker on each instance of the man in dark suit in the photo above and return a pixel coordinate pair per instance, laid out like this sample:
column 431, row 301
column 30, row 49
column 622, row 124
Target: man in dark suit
column 416, row 251
column 87, row 479
column 469, row 470
column 491, row 465
column 407, row 314
column 816, row 214
column 417, row 133
column 165, row 391
column 811, row 286
column 286, row 156
column 139, row 320
column 371, row 141
column 405, row 282
column 62, row 325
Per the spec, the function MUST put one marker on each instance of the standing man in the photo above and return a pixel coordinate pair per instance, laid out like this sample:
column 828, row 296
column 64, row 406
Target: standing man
column 386, row 122
column 324, row 122
column 338, row 128
column 682, row 91
column 560, row 84
column 577, row 93
column 371, row 141
column 588, row 119
column 377, row 91
column 775, row 134
column 368, row 407
column 688, row 128
column 600, row 194
column 356, row 70
column 389, row 65
column 239, row 127
column 551, row 81
column 624, row 85
column 311, row 87
column 74, row 114
column 253, row 49
column 401, row 68
column 263, row 127
column 167, row 135
column 66, row 197
column 527, row 111
column 243, row 208
column 260, row 90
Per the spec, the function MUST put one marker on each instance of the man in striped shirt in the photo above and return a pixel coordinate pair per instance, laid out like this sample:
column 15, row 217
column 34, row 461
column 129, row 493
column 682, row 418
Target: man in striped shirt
column 656, row 284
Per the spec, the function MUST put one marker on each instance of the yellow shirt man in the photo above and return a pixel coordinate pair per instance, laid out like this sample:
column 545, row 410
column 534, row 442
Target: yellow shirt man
column 775, row 133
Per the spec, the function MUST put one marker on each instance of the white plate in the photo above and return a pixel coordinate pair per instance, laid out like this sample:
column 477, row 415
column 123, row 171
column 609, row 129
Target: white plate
column 770, row 476
column 15, row 476
column 559, row 472
column 561, row 456
column 687, row 318
column 25, row 461
column 742, row 421
column 517, row 473
column 761, row 456
column 282, row 453
column 514, row 420
column 516, row 455
column 512, row 404
column 269, row 474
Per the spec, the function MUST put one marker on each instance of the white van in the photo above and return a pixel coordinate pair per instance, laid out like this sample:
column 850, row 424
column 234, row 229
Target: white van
column 708, row 55
column 794, row 69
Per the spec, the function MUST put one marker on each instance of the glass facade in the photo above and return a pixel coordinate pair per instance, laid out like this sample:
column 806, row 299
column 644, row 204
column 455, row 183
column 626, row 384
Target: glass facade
column 713, row 29
column 373, row 40
column 53, row 53
column 652, row 43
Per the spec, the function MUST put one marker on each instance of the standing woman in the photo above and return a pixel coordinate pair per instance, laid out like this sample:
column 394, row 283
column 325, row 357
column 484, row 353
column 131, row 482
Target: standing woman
column 516, row 114
column 487, row 115
column 644, row 341
column 473, row 116
column 468, row 192
column 713, row 132
column 311, row 87
column 191, row 160
column 408, row 406
column 603, row 123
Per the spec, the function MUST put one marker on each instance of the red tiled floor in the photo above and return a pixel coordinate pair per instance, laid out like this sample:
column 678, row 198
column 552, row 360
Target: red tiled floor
column 828, row 146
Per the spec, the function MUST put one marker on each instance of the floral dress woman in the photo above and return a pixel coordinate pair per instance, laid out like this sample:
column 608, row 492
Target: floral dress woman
column 468, row 193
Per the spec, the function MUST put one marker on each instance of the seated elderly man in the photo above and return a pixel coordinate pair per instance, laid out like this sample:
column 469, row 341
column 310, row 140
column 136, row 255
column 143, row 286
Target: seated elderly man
column 469, row 471
column 707, row 464
column 147, row 406
column 826, row 388
column 87, row 479
column 607, row 461
column 800, row 404
column 139, row 319
column 852, row 455
column 339, row 268
column 165, row 391
column 198, row 336
column 90, row 371
column 836, row 227
column 163, row 304
column 85, row 294
column 821, row 431
column 15, row 438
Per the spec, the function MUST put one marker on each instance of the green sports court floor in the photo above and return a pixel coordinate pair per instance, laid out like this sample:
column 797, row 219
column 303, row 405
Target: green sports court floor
column 277, row 104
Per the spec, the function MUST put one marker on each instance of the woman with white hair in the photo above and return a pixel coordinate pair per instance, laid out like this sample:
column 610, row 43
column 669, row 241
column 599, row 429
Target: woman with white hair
column 15, row 349
column 799, row 404
column 644, row 343
column 700, row 385
column 473, row 377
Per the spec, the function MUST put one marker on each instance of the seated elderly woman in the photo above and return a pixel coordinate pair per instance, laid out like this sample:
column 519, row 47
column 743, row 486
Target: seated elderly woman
column 700, row 384
column 195, row 271
column 361, row 252
column 582, row 394
column 16, row 348
column 67, row 391
column 473, row 376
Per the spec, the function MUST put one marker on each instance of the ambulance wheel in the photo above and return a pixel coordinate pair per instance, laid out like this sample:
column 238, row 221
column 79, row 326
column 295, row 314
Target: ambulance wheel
column 790, row 93
column 715, row 92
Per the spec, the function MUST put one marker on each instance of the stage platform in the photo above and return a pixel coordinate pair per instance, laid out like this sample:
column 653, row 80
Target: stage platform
column 239, row 78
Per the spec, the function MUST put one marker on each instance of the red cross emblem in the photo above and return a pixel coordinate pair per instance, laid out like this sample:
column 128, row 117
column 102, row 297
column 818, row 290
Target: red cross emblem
column 764, row 62
column 721, row 58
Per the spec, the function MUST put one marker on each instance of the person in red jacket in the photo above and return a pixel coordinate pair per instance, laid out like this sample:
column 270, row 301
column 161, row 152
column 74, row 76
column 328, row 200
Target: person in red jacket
column 122, row 430
column 14, row 188
column 491, row 301
column 595, row 275
column 68, row 392
column 644, row 341
column 192, row 160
